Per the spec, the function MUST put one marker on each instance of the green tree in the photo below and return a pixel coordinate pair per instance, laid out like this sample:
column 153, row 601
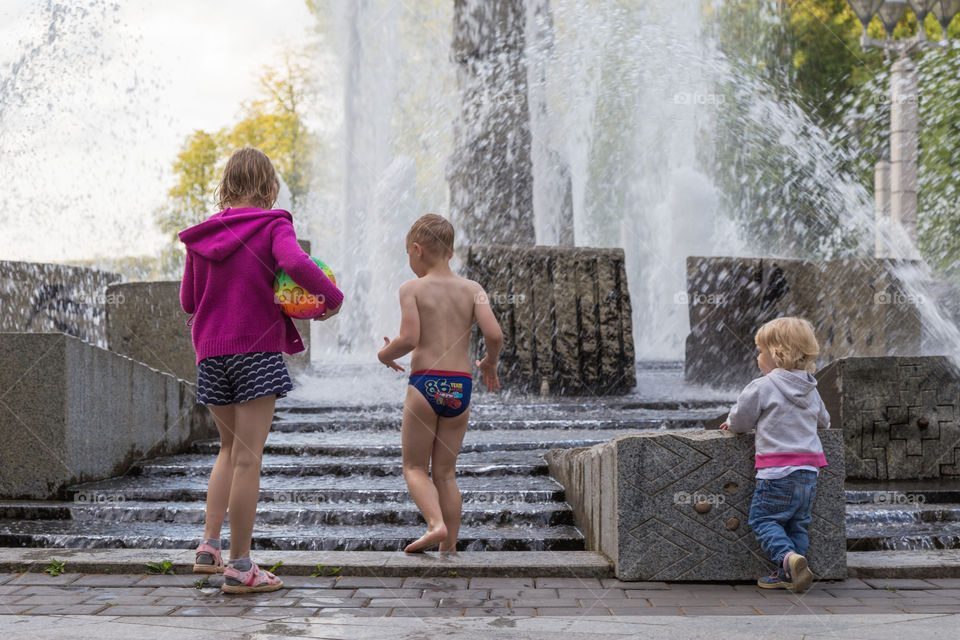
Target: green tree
column 273, row 123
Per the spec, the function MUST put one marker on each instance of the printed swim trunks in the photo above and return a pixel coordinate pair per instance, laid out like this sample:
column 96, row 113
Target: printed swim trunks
column 448, row 392
column 239, row 377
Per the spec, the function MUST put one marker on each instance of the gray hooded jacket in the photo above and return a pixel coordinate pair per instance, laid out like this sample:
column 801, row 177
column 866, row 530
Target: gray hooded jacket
column 785, row 409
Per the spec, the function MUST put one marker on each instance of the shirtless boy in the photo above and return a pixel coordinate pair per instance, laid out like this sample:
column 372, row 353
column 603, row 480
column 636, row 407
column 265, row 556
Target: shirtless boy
column 437, row 314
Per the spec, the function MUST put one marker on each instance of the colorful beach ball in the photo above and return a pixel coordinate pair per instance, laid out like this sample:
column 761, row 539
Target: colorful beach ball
column 296, row 301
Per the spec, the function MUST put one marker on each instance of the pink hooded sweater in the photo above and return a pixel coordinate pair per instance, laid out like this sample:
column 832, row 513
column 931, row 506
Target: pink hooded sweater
column 227, row 284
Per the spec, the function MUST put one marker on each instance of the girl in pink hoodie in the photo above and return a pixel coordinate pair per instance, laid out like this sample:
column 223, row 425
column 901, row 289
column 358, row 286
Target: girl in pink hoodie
column 238, row 332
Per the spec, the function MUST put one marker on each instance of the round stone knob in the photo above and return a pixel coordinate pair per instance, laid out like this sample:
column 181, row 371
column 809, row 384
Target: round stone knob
column 923, row 423
column 702, row 506
column 733, row 523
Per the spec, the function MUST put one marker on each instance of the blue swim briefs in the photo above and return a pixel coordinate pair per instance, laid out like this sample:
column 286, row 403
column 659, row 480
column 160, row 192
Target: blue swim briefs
column 448, row 392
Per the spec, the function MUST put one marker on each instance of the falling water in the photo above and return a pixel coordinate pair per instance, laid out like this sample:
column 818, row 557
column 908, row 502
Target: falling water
column 626, row 100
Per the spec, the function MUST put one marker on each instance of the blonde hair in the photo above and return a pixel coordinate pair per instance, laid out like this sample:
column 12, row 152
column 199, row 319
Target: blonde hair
column 433, row 232
column 790, row 342
column 248, row 177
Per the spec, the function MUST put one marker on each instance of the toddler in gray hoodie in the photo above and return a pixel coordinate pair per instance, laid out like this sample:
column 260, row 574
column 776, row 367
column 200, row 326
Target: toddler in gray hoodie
column 785, row 409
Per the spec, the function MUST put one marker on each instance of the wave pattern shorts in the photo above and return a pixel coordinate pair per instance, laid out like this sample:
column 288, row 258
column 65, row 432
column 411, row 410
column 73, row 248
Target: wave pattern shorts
column 240, row 377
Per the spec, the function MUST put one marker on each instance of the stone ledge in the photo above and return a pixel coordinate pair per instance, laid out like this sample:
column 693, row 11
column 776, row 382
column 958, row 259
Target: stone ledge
column 466, row 564
column 934, row 563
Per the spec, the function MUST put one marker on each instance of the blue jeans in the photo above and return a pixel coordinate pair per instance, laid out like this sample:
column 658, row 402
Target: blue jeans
column 781, row 512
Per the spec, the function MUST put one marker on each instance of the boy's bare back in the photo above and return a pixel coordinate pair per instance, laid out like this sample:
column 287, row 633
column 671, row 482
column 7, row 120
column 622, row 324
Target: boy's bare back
column 444, row 306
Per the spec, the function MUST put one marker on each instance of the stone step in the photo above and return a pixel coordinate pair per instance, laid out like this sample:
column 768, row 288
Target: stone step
column 507, row 408
column 367, row 564
column 353, row 424
column 375, row 444
column 318, row 489
column 492, row 463
column 291, row 514
column 937, row 563
column 165, row 535
column 901, row 495
column 867, row 514
column 910, row 536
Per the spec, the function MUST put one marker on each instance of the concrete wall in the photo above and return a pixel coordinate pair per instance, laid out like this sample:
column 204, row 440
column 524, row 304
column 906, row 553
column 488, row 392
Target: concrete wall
column 565, row 315
column 54, row 297
column 900, row 416
column 856, row 306
column 72, row 412
column 635, row 498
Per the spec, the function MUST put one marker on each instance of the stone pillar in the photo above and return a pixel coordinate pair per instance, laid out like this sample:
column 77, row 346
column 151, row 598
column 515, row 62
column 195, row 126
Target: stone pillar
column 904, row 150
column 881, row 199
column 565, row 315
column 491, row 172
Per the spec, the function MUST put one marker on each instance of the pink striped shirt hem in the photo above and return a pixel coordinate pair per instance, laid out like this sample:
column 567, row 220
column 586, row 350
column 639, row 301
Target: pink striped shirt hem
column 790, row 460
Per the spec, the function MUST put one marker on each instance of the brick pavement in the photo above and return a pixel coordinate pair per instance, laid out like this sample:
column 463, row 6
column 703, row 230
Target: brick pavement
column 176, row 595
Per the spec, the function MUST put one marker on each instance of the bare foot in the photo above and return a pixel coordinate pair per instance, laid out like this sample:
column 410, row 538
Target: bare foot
column 430, row 539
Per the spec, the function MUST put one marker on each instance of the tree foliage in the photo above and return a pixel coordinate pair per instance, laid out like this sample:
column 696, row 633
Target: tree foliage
column 274, row 123
column 807, row 53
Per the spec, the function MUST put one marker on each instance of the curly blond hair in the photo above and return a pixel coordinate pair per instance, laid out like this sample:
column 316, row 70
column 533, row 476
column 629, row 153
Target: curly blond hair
column 790, row 342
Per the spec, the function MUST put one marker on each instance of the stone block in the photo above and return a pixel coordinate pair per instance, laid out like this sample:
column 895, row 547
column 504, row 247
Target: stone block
column 900, row 416
column 565, row 314
column 55, row 297
column 74, row 412
column 857, row 308
column 635, row 500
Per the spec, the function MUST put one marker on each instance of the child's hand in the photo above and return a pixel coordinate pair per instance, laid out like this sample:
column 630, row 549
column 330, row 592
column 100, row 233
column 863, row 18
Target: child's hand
column 391, row 364
column 328, row 313
column 724, row 427
column 488, row 370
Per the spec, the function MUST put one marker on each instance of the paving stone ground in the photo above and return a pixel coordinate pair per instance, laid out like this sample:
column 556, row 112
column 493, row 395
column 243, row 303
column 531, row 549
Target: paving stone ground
column 38, row 594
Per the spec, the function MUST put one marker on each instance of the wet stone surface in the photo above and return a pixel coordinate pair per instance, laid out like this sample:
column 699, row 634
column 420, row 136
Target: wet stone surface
column 413, row 596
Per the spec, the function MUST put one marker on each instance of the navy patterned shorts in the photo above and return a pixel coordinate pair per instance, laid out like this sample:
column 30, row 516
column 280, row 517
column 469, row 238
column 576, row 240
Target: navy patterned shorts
column 240, row 377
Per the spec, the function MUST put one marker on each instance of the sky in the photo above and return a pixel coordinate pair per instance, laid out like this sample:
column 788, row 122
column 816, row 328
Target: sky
column 96, row 98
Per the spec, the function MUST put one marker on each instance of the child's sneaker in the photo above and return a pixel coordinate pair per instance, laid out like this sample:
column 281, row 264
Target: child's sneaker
column 776, row 580
column 800, row 574
column 207, row 559
column 251, row 581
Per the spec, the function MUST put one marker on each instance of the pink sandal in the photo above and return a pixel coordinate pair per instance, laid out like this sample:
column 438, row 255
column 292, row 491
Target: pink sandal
column 254, row 580
column 215, row 567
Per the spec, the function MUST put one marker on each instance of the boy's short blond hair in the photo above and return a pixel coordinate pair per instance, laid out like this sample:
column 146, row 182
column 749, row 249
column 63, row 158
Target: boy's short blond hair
column 790, row 342
column 432, row 232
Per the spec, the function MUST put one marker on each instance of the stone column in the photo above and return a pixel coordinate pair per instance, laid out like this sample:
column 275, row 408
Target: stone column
column 881, row 199
column 491, row 172
column 904, row 149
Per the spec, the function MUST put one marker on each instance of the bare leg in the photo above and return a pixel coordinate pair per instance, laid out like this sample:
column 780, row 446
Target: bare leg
column 252, row 427
column 417, row 435
column 218, row 489
column 443, row 472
